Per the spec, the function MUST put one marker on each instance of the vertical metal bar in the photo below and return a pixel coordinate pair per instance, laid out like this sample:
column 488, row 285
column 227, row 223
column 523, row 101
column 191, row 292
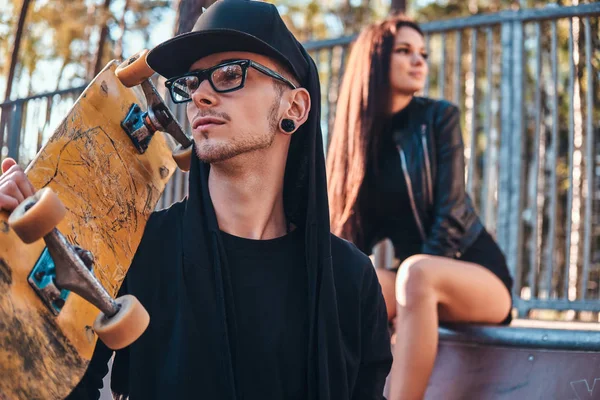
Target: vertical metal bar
column 167, row 196
column 26, row 116
column 186, row 183
column 14, row 131
column 457, row 69
column 569, row 209
column 427, row 80
column 317, row 57
column 183, row 120
column 342, row 64
column 516, row 154
column 47, row 110
column 533, row 255
column 323, row 59
column 383, row 254
column 9, row 119
column 505, row 136
column 328, row 95
column 166, row 199
column 473, row 144
column 180, row 189
column 442, row 70
column 486, row 187
column 336, row 91
column 554, row 158
column 4, row 113
column 589, row 163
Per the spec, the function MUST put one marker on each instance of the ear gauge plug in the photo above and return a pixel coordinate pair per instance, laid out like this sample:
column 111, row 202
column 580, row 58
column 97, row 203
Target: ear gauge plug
column 288, row 125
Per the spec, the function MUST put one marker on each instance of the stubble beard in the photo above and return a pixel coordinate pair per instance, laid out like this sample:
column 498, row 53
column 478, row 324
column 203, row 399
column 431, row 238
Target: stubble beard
column 214, row 153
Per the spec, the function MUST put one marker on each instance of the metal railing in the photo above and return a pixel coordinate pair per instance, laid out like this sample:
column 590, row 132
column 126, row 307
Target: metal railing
column 527, row 83
column 529, row 111
column 26, row 124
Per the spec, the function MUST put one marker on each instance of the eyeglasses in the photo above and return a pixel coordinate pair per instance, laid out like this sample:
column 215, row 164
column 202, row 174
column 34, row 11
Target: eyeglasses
column 225, row 77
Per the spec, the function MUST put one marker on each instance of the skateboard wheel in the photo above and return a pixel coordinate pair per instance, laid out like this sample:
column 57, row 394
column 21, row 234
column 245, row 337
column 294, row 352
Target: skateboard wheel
column 183, row 157
column 37, row 215
column 126, row 326
column 134, row 70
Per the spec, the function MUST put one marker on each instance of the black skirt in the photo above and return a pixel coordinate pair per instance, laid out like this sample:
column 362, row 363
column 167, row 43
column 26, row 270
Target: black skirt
column 485, row 252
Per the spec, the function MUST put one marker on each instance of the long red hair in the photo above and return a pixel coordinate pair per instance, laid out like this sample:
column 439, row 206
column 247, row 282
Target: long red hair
column 360, row 114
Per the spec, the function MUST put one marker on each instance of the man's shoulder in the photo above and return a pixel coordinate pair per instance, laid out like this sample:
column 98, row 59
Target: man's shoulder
column 162, row 219
column 160, row 236
column 348, row 259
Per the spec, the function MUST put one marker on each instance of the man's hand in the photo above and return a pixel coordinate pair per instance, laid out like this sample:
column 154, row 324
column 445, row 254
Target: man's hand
column 14, row 185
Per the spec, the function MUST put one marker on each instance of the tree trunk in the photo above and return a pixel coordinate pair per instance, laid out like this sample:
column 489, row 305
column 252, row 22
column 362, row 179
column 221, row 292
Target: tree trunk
column 188, row 12
column 398, row 6
column 103, row 34
column 89, row 28
column 15, row 53
column 4, row 113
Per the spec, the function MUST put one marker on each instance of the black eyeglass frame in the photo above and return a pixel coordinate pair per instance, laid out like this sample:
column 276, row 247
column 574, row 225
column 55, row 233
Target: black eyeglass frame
column 207, row 74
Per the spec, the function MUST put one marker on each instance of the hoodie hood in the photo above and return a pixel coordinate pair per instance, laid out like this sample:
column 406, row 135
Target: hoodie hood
column 306, row 205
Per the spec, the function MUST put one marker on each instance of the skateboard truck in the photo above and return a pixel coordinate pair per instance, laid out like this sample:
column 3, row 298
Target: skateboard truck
column 63, row 268
column 42, row 279
column 140, row 126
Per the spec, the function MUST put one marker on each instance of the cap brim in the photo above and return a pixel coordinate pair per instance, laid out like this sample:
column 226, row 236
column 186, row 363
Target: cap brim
column 175, row 56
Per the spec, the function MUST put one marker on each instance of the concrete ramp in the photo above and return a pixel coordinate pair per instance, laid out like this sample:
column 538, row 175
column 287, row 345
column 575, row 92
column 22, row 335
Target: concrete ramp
column 517, row 363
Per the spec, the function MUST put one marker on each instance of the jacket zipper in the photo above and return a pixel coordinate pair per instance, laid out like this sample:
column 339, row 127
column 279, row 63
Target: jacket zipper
column 410, row 192
column 427, row 164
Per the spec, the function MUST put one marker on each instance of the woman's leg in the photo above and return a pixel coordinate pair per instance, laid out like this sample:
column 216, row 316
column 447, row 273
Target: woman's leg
column 387, row 281
column 430, row 289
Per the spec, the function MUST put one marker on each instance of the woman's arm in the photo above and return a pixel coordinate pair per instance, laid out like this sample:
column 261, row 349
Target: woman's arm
column 450, row 207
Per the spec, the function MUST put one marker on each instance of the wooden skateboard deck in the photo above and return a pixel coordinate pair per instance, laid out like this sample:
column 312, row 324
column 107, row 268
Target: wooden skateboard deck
column 109, row 190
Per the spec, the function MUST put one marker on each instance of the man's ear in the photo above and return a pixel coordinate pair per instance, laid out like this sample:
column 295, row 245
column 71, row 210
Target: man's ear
column 298, row 107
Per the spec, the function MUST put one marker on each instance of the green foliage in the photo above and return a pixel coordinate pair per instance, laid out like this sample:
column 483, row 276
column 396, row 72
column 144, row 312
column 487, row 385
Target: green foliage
column 314, row 20
column 63, row 35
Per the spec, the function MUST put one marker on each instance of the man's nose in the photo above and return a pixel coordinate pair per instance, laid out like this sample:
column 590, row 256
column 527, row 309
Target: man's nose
column 205, row 95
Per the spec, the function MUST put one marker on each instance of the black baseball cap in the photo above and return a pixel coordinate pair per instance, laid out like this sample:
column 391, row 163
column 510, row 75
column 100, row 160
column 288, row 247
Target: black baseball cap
column 231, row 25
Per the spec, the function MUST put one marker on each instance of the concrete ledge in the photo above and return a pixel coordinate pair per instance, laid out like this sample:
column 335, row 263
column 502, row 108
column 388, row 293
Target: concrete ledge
column 544, row 336
column 514, row 363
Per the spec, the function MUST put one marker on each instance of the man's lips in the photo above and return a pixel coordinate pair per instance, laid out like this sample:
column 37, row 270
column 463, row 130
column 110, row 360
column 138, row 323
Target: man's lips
column 205, row 122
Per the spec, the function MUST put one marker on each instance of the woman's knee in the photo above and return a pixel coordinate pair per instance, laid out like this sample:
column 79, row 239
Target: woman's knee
column 415, row 281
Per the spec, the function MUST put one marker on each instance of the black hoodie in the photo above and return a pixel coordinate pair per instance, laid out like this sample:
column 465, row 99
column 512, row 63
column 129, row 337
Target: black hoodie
column 178, row 275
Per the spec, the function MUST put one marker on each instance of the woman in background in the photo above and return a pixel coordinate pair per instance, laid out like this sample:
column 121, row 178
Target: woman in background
column 396, row 170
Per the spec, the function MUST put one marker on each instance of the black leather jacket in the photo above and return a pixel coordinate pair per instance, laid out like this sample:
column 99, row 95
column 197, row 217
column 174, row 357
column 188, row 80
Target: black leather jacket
column 432, row 156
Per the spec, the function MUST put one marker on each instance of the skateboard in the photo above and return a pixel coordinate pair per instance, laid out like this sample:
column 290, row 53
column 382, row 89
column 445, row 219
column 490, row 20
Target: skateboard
column 64, row 252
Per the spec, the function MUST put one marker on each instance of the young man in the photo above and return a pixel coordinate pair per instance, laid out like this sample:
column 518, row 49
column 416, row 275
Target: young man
column 249, row 295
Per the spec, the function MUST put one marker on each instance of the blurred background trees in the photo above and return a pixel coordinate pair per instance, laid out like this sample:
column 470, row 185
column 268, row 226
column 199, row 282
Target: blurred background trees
column 65, row 43
column 47, row 45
